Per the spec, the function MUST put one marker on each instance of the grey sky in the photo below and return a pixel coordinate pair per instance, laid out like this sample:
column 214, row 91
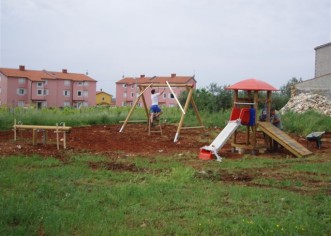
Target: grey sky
column 219, row 41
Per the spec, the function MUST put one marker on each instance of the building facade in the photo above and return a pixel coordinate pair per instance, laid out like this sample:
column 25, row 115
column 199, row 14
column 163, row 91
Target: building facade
column 321, row 83
column 21, row 87
column 323, row 60
column 103, row 98
column 127, row 89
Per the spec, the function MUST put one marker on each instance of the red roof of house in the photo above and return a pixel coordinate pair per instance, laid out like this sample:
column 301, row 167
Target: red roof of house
column 252, row 84
column 33, row 75
column 39, row 75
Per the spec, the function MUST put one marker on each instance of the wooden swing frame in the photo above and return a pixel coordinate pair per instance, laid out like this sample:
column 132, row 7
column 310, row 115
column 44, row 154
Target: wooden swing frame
column 143, row 88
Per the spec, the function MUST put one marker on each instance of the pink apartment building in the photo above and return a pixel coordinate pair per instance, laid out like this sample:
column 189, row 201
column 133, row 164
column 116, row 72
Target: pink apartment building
column 127, row 89
column 21, row 87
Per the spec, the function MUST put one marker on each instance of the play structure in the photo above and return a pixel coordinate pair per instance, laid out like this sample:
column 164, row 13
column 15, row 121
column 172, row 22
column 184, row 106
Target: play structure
column 58, row 129
column 245, row 107
column 189, row 100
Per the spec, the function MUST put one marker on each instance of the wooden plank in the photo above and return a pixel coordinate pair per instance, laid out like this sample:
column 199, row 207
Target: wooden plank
column 134, row 121
column 284, row 139
column 61, row 128
column 165, row 85
column 193, row 127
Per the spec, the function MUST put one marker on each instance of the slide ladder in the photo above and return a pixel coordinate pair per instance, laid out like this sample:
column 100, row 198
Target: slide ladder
column 284, row 139
column 207, row 151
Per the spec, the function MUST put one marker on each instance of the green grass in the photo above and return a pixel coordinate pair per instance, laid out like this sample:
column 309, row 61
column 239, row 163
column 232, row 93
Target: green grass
column 301, row 124
column 160, row 196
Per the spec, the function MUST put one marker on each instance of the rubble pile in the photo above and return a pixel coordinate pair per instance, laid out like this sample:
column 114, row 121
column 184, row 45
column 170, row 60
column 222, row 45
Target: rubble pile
column 308, row 101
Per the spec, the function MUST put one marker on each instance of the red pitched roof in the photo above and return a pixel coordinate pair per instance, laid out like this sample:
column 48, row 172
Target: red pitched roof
column 36, row 75
column 70, row 76
column 33, row 75
column 252, row 84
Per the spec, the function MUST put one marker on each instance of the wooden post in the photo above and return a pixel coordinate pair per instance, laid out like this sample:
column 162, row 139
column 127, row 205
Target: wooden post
column 15, row 134
column 132, row 108
column 256, row 106
column 64, row 137
column 269, row 105
column 195, row 108
column 57, row 137
column 145, row 106
column 183, row 115
column 235, row 99
column 34, row 136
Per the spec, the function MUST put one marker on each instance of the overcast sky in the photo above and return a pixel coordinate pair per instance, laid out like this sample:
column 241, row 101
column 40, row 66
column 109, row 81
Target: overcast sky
column 220, row 41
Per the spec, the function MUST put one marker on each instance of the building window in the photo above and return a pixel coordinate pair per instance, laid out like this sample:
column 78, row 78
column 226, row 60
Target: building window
column 40, row 84
column 171, row 95
column 132, row 86
column 86, row 83
column 85, row 94
column 67, row 83
column 79, row 93
column 80, row 83
column 164, row 95
column 21, row 80
column 21, row 91
column 132, row 95
column 39, row 92
column 124, row 85
column 46, row 91
column 21, row 103
column 66, row 93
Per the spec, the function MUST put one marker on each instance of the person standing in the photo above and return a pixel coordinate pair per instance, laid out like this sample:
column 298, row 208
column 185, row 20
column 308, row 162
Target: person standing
column 275, row 118
column 276, row 121
column 155, row 109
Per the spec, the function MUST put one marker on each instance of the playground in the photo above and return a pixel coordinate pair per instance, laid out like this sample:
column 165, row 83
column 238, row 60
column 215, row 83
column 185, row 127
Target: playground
column 135, row 141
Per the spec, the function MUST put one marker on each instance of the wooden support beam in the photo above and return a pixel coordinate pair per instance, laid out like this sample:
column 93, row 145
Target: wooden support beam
column 165, row 85
column 189, row 96
column 195, row 108
column 132, row 108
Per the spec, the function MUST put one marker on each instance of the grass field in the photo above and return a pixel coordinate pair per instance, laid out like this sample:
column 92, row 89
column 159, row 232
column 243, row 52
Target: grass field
column 164, row 195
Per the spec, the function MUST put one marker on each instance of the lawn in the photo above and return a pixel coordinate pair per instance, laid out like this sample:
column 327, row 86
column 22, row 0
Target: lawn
column 164, row 195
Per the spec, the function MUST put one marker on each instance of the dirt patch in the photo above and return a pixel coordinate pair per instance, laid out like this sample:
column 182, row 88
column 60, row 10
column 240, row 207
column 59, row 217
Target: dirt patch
column 133, row 141
column 300, row 182
column 115, row 166
column 106, row 140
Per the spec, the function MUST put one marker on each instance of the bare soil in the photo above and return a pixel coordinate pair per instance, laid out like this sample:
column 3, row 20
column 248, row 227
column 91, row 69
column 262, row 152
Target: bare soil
column 134, row 141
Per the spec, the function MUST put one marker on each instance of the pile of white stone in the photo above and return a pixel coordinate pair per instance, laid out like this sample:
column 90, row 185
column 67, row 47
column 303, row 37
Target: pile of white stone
column 308, row 101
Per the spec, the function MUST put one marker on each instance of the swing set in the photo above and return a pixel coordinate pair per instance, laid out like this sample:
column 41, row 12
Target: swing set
column 189, row 100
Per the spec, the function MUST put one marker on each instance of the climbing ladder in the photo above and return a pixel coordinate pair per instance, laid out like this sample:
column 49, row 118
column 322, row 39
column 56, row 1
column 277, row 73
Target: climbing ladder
column 155, row 126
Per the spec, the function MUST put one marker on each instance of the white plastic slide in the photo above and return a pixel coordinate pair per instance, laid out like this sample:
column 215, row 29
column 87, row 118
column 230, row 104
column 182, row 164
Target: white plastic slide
column 222, row 138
